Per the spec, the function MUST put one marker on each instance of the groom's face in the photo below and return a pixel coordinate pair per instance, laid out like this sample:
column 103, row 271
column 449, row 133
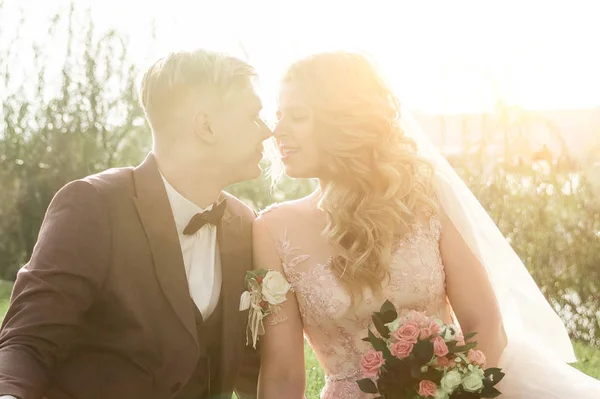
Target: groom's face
column 239, row 133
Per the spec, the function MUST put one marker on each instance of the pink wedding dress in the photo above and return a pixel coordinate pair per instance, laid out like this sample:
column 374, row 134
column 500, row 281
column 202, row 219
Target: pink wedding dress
column 417, row 283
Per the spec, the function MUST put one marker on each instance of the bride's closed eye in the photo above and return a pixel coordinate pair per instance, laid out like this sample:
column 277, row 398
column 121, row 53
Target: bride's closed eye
column 298, row 118
column 294, row 117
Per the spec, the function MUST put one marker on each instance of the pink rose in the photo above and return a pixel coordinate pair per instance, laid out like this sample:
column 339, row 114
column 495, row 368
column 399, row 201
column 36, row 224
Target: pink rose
column 434, row 327
column 445, row 362
column 401, row 349
column 408, row 332
column 427, row 388
column 439, row 347
column 371, row 363
column 442, row 362
column 476, row 357
column 425, row 333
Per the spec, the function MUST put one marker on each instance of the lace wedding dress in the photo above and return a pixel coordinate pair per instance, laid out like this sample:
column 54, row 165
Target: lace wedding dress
column 417, row 282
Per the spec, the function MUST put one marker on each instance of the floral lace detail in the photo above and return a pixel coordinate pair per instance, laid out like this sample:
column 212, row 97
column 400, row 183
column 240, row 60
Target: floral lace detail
column 417, row 282
column 414, row 278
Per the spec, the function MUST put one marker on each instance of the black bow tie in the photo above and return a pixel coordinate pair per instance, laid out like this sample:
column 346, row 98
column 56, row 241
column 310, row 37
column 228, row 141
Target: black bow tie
column 212, row 216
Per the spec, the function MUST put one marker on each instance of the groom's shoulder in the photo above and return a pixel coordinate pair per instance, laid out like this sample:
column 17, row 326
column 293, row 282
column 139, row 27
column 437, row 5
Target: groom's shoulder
column 112, row 180
column 94, row 189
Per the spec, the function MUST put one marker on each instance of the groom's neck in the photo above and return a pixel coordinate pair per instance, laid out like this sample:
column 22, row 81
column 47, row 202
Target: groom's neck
column 197, row 182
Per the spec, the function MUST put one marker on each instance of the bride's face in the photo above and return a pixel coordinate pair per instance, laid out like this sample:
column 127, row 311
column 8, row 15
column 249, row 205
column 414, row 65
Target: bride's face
column 295, row 133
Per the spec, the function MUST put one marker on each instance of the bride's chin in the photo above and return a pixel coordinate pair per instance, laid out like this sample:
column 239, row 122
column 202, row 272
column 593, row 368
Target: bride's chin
column 297, row 173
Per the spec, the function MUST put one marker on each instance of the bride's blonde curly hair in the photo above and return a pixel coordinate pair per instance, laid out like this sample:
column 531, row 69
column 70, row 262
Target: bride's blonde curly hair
column 377, row 184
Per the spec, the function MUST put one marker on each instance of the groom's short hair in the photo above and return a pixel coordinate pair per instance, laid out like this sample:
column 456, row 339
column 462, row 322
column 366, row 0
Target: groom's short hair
column 174, row 79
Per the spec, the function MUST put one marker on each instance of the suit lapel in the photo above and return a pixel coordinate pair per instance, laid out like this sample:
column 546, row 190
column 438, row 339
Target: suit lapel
column 157, row 219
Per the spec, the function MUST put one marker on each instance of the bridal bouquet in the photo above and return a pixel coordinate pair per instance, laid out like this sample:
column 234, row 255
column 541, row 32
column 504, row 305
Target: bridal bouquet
column 416, row 356
column 265, row 291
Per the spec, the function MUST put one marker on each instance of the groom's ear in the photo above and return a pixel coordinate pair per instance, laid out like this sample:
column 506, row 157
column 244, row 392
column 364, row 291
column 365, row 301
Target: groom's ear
column 202, row 128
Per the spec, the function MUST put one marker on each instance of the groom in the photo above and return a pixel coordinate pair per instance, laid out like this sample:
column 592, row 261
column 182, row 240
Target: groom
column 133, row 288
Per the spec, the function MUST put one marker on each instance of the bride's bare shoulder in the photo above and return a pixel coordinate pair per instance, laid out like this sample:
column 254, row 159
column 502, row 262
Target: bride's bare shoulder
column 287, row 208
column 279, row 216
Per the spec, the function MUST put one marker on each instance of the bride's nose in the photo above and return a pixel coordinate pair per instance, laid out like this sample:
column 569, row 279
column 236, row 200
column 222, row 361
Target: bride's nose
column 279, row 130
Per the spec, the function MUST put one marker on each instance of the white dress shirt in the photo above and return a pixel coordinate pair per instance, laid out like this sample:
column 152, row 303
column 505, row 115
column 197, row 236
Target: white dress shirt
column 200, row 253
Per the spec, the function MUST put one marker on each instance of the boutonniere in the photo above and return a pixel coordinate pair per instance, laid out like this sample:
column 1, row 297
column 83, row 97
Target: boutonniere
column 265, row 291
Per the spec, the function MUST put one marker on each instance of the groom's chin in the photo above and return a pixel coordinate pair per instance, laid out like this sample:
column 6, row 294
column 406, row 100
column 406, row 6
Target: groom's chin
column 251, row 172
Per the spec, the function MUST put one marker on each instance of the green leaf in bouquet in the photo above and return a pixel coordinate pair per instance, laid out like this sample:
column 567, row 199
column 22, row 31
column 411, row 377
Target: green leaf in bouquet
column 415, row 372
column 388, row 312
column 470, row 335
column 493, row 375
column 433, row 374
column 380, row 325
column 451, row 345
column 378, row 343
column 423, row 352
column 393, row 382
column 367, row 385
column 464, row 348
column 490, row 392
column 465, row 395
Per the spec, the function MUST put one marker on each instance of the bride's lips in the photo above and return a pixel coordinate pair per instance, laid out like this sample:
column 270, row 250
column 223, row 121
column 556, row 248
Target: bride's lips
column 287, row 152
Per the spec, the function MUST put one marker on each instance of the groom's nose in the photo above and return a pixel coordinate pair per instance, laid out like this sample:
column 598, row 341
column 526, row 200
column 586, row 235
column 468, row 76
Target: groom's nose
column 265, row 131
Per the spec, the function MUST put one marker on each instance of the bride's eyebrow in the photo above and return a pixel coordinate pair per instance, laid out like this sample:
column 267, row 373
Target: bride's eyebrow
column 292, row 108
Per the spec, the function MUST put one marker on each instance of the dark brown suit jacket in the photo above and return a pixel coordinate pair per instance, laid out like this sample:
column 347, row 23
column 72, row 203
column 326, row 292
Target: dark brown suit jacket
column 102, row 310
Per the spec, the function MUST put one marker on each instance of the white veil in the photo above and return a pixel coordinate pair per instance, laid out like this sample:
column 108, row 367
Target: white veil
column 527, row 316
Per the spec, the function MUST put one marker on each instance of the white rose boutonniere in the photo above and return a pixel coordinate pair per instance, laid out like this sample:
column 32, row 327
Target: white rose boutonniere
column 275, row 288
column 265, row 291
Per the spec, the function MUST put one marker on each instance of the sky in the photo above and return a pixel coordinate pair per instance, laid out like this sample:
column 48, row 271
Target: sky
column 440, row 56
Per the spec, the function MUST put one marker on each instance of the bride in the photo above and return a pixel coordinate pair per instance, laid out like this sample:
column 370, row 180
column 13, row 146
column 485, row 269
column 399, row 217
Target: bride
column 389, row 220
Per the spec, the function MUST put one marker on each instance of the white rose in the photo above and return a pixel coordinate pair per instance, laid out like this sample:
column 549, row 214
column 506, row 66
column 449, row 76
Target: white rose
column 473, row 382
column 451, row 380
column 394, row 325
column 274, row 288
column 441, row 394
column 450, row 333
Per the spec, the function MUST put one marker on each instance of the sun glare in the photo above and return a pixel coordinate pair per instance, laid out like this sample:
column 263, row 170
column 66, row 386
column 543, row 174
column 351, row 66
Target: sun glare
column 441, row 57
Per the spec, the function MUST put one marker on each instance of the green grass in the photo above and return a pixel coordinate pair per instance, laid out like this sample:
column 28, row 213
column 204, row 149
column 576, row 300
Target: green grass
column 589, row 357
